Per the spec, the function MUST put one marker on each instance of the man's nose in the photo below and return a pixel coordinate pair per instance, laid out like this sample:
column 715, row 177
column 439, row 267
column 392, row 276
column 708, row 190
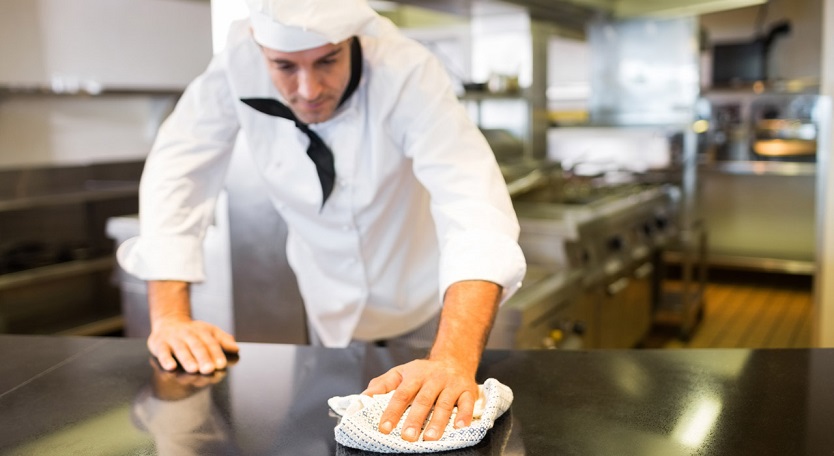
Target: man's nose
column 309, row 86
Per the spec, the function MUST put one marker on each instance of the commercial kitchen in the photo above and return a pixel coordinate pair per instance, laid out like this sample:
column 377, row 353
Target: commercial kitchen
column 667, row 162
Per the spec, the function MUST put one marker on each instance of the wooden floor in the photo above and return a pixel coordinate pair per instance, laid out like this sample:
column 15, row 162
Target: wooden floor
column 758, row 311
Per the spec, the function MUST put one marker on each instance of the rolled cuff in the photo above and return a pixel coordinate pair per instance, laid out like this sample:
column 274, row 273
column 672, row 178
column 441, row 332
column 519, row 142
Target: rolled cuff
column 163, row 258
column 483, row 256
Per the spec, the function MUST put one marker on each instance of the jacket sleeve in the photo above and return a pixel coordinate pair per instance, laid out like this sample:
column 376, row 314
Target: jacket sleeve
column 477, row 228
column 182, row 179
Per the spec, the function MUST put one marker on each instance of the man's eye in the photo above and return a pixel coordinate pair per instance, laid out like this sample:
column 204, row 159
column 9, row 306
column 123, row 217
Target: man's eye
column 285, row 67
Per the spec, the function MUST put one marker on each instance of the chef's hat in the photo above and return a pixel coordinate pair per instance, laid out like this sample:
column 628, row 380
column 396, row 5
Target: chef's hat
column 296, row 25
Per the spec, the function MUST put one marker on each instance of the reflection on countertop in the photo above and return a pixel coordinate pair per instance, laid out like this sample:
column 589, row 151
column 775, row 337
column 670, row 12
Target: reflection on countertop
column 102, row 396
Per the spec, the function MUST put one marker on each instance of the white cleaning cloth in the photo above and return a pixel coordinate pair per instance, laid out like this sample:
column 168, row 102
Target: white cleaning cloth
column 360, row 415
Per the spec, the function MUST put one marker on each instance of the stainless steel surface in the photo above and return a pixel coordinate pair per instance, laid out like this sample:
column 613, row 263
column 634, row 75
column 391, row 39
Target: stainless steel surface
column 644, row 71
column 525, row 177
column 760, row 168
column 545, row 313
column 573, row 15
column 614, row 242
column 765, row 217
column 737, row 180
column 568, row 15
column 62, row 395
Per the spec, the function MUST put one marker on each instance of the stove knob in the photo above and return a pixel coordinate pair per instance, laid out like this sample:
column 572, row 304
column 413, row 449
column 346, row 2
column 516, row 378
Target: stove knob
column 661, row 222
column 585, row 256
column 579, row 327
column 557, row 335
column 615, row 244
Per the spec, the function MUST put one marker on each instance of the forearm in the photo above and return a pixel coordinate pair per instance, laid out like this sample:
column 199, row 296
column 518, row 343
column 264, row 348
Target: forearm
column 469, row 309
column 168, row 299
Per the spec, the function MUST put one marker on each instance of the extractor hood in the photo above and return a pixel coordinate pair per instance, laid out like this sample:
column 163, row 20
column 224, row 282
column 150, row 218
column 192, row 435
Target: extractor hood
column 652, row 8
column 572, row 13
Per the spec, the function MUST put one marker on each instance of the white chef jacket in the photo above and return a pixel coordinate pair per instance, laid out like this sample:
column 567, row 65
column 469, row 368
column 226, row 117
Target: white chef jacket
column 419, row 201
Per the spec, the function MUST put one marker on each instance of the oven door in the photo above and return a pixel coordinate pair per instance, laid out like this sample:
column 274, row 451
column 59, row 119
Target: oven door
column 545, row 313
column 625, row 306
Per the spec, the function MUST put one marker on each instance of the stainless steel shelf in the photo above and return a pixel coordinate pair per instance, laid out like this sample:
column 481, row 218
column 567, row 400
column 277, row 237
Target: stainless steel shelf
column 482, row 96
column 81, row 196
column 43, row 90
column 750, row 263
column 32, row 277
column 761, row 168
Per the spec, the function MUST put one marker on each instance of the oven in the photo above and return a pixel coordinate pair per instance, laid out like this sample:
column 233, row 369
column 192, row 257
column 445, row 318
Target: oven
column 614, row 245
column 545, row 313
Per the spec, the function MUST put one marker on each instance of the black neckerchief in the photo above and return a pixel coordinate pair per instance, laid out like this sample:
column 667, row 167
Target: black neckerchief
column 317, row 150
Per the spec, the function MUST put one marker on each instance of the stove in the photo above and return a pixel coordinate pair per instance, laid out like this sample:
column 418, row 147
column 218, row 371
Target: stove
column 612, row 241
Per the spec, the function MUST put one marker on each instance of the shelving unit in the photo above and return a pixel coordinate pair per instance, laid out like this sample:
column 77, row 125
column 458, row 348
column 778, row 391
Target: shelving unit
column 119, row 190
column 56, row 262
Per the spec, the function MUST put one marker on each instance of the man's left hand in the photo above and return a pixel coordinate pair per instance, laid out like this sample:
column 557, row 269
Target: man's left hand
column 425, row 384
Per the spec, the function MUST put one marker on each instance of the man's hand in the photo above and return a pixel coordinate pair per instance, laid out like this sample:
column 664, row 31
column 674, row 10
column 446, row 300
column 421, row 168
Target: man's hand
column 447, row 377
column 424, row 384
column 198, row 346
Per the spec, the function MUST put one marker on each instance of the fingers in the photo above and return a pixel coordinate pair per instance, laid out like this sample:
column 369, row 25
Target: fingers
column 430, row 398
column 400, row 400
column 227, row 341
column 440, row 417
column 162, row 352
column 199, row 347
column 466, row 406
column 207, row 350
column 386, row 382
column 421, row 406
column 182, row 352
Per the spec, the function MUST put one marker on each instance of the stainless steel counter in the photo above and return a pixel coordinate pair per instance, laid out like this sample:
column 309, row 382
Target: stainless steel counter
column 103, row 396
column 760, row 215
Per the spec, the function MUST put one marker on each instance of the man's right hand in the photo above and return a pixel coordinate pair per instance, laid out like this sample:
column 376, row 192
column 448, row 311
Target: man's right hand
column 197, row 345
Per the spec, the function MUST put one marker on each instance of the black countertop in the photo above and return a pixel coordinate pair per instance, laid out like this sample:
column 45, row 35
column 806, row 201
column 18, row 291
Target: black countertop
column 90, row 396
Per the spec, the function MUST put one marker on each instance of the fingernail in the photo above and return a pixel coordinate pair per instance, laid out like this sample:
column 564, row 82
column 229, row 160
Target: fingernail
column 460, row 424
column 410, row 433
column 431, row 434
column 220, row 363
column 386, row 427
column 190, row 368
column 207, row 367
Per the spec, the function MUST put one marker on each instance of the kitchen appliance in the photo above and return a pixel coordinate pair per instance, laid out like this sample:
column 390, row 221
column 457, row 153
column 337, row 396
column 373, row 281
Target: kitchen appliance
column 784, row 127
column 545, row 313
column 615, row 242
column 745, row 62
column 777, row 126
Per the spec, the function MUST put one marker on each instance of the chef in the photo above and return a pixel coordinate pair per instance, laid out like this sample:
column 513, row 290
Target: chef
column 397, row 213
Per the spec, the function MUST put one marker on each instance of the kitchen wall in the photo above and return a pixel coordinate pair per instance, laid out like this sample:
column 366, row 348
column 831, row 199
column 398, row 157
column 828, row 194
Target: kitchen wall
column 45, row 130
column 86, row 81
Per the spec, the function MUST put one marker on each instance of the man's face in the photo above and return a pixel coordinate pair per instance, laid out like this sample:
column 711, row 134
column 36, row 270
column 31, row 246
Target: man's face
column 311, row 81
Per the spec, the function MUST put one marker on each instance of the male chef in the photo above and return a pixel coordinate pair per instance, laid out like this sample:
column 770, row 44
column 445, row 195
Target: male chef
column 395, row 206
